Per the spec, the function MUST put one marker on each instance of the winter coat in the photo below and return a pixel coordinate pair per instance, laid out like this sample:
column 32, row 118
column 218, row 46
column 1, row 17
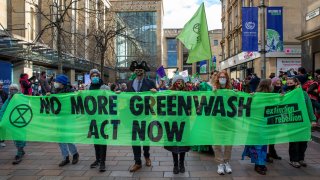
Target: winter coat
column 25, row 86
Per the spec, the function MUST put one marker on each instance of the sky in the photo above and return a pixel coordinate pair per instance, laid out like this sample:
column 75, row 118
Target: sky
column 178, row 12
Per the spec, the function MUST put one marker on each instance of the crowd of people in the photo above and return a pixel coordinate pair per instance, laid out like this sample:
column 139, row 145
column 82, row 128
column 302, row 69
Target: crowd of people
column 260, row 154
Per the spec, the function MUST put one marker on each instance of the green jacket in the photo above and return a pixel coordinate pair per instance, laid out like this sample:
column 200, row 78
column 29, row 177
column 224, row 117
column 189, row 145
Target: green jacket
column 309, row 107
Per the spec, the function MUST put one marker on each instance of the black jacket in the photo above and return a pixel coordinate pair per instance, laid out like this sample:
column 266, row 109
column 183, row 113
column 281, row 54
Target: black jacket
column 147, row 84
column 4, row 96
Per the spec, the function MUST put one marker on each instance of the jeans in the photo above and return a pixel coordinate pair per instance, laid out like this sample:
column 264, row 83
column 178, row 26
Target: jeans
column 64, row 149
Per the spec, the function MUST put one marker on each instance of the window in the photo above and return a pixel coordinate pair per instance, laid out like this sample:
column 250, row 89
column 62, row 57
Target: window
column 236, row 16
column 172, row 52
column 251, row 3
column 236, row 44
column 230, row 22
column 215, row 42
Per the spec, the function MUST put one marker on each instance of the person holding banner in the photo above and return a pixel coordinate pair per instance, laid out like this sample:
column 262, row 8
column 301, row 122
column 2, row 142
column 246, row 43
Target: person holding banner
column 100, row 150
column 297, row 149
column 61, row 85
column 14, row 89
column 222, row 81
column 178, row 152
column 258, row 153
column 140, row 84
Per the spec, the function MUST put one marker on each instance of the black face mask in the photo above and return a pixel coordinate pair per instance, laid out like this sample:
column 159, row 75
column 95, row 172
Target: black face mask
column 276, row 88
column 290, row 88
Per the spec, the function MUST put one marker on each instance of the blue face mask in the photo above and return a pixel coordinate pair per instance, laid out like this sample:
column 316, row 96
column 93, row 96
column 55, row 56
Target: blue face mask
column 95, row 80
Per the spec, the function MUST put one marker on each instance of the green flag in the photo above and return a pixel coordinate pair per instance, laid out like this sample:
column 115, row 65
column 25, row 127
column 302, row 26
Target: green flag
column 195, row 37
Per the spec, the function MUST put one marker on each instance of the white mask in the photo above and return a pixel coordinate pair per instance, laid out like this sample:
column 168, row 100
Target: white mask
column 222, row 81
column 56, row 85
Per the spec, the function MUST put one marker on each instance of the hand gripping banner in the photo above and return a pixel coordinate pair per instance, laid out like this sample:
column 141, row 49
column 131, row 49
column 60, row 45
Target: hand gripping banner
column 168, row 118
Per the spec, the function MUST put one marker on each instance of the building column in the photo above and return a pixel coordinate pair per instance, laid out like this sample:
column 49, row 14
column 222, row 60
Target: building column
column 180, row 56
column 71, row 74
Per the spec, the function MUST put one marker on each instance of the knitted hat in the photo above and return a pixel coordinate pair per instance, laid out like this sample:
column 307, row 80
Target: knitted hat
column 92, row 71
column 274, row 80
column 176, row 78
column 63, row 79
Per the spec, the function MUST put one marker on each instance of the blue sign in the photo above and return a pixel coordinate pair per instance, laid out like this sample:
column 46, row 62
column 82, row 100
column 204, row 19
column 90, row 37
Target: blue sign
column 203, row 66
column 274, row 29
column 249, row 29
column 5, row 74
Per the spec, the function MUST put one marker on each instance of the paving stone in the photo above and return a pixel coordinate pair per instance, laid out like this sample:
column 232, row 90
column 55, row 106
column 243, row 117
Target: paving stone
column 147, row 174
column 24, row 172
column 180, row 175
column 24, row 177
column 76, row 178
column 121, row 174
column 50, row 172
column 72, row 173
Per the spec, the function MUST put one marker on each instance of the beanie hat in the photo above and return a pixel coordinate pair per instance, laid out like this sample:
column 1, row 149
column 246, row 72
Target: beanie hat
column 63, row 79
column 274, row 80
column 92, row 71
column 176, row 78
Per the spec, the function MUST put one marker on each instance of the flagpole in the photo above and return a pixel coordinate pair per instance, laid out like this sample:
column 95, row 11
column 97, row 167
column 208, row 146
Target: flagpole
column 209, row 69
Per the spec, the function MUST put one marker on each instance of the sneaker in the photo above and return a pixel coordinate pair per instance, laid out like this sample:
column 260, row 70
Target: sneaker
column 175, row 170
column 102, row 167
column 295, row 164
column 94, row 164
column 2, row 144
column 227, row 168
column 220, row 170
column 303, row 164
column 17, row 160
column 64, row 162
column 75, row 158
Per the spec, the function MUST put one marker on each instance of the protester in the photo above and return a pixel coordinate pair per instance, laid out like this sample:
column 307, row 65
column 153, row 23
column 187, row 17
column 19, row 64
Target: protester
column 14, row 89
column 254, row 82
column 272, row 75
column 222, row 81
column 100, row 150
column 162, row 85
column 25, row 85
column 123, row 87
column 3, row 98
column 61, row 85
column 140, row 84
column 302, row 75
column 297, row 149
column 45, row 88
column 258, row 153
column 178, row 152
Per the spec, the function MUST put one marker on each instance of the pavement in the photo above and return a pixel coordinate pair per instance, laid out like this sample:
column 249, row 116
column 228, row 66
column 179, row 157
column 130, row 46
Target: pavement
column 42, row 159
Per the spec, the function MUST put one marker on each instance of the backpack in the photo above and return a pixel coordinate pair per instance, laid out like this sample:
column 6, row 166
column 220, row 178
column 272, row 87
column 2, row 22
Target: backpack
column 307, row 84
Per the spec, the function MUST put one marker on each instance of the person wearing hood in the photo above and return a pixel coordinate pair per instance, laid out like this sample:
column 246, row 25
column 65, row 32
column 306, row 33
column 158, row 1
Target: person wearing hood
column 61, row 85
column 14, row 89
column 178, row 152
column 100, row 150
column 25, row 84
column 297, row 149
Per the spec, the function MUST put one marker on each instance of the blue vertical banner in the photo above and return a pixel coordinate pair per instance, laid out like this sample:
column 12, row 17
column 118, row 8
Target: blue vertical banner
column 274, row 29
column 203, row 66
column 5, row 74
column 250, row 29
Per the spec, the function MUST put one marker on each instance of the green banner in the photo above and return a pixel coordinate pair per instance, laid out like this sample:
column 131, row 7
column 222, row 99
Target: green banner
column 223, row 117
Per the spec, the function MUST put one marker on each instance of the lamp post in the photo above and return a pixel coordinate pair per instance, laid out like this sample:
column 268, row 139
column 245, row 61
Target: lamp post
column 263, row 38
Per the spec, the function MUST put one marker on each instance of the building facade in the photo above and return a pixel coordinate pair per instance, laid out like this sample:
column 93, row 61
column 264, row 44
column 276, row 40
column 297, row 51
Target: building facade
column 176, row 55
column 142, row 21
column 29, row 38
column 238, row 63
column 310, row 34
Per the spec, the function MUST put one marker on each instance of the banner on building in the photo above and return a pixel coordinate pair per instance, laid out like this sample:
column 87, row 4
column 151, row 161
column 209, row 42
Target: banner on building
column 5, row 74
column 250, row 29
column 274, row 29
column 223, row 117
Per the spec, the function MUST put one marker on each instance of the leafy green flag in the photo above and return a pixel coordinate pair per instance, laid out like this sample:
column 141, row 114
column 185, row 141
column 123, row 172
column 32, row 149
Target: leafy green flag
column 195, row 37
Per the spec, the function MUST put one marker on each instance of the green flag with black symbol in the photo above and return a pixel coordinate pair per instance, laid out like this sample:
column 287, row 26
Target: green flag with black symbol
column 195, row 37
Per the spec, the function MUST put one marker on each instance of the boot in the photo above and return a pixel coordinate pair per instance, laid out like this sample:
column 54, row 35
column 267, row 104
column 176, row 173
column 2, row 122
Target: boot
column 94, row 164
column 176, row 170
column 64, row 162
column 75, row 158
column 181, row 167
column 102, row 167
column 17, row 160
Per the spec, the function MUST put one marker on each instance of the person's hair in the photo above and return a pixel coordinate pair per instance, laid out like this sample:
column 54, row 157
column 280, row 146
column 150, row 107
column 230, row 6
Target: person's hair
column 302, row 70
column 42, row 73
column 215, row 81
column 113, row 87
column 264, row 86
column 14, row 86
column 296, row 80
column 174, row 88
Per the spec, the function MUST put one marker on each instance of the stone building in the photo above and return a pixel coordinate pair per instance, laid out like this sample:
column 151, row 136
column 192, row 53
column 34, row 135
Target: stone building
column 310, row 34
column 240, row 63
